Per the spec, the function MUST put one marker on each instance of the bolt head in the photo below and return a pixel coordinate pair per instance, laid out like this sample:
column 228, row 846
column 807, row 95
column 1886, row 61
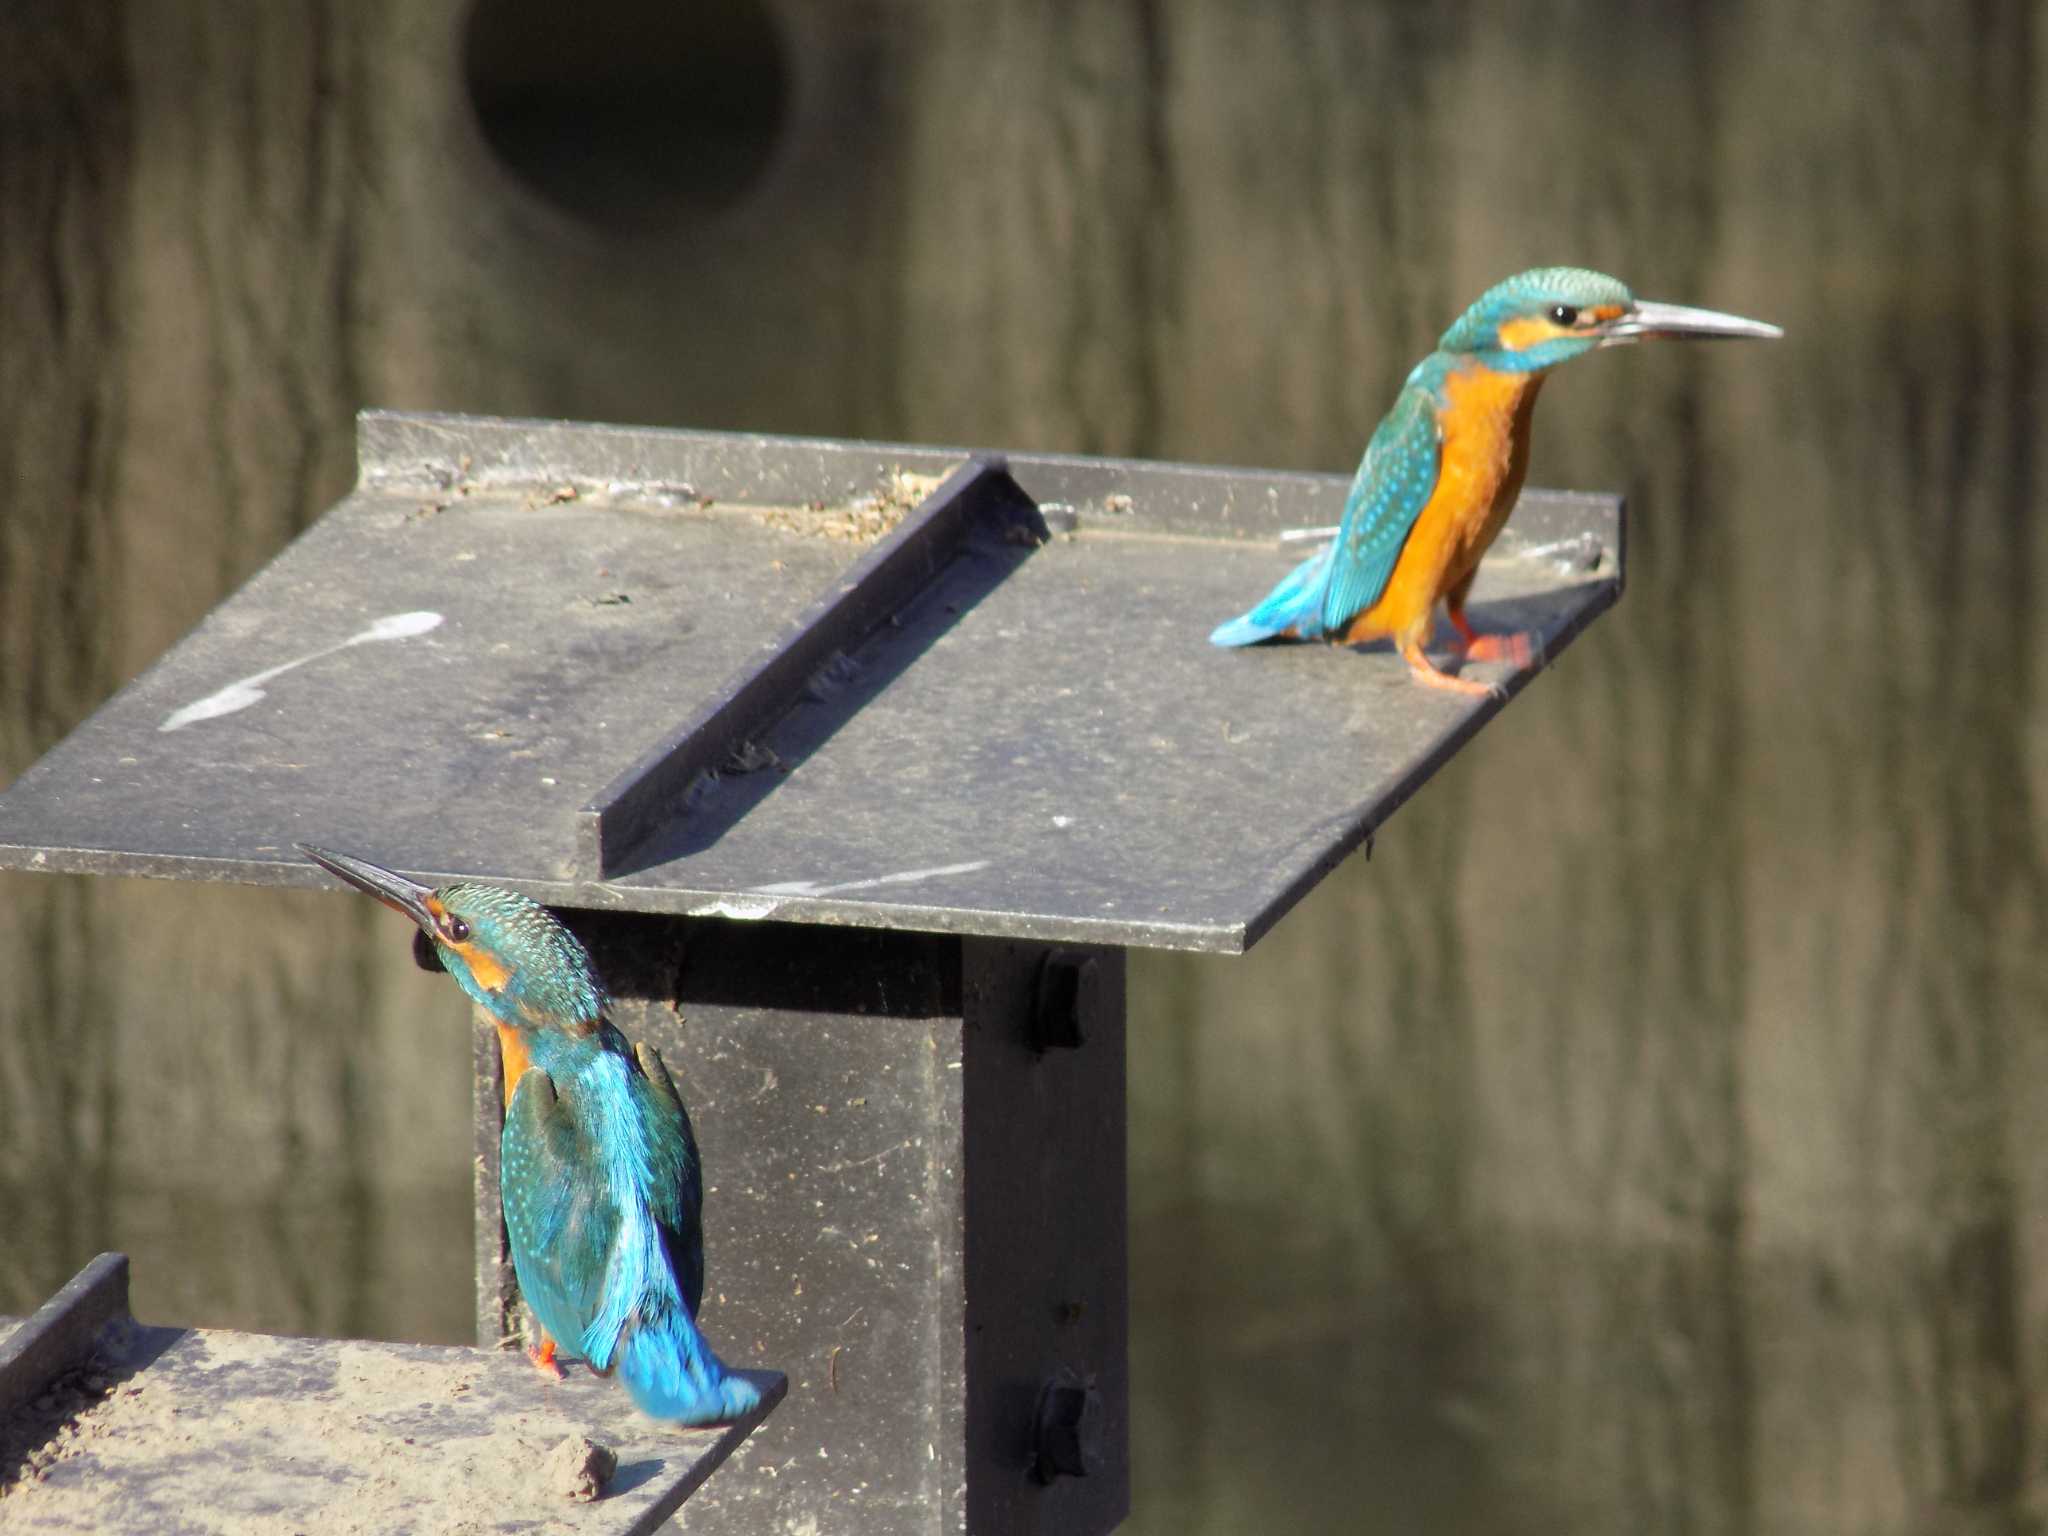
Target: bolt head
column 1069, row 1427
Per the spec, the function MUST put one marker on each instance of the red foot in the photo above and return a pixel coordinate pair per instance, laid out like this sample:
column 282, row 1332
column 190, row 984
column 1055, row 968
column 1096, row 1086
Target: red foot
column 543, row 1359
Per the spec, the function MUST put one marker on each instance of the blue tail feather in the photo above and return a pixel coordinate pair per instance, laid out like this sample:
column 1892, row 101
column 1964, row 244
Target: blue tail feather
column 672, row 1374
column 1296, row 604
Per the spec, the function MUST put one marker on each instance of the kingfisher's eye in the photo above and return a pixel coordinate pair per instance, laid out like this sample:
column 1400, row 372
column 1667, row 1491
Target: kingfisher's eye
column 457, row 931
column 1564, row 314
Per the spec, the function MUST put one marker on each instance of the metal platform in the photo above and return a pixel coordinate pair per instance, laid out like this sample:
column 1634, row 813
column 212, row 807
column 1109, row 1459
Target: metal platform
column 108, row 1424
column 661, row 671
column 696, row 690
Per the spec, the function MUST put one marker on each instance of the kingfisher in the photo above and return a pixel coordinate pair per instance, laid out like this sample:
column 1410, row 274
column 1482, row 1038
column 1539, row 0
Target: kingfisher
column 1444, row 467
column 602, row 1190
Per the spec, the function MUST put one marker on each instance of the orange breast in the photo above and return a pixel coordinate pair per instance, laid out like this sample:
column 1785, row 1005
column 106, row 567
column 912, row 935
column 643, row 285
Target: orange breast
column 514, row 1057
column 1485, row 454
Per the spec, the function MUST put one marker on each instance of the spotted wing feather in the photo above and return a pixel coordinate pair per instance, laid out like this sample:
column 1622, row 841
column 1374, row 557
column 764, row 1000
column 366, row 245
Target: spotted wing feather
column 1340, row 581
column 1394, row 483
column 562, row 1225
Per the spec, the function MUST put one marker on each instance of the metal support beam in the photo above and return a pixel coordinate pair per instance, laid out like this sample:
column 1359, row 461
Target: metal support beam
column 910, row 1205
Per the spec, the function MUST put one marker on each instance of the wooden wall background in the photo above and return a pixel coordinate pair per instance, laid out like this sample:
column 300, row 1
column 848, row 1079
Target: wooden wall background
column 1644, row 1141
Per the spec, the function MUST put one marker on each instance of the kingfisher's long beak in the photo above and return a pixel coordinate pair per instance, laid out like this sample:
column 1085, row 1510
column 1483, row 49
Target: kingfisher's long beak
column 394, row 890
column 1648, row 319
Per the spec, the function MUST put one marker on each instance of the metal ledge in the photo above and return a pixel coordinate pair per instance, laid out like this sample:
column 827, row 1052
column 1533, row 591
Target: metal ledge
column 1023, row 742
column 112, row 1424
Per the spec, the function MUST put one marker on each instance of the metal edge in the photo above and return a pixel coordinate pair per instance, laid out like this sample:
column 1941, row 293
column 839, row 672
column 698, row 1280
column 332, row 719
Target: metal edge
column 1290, row 891
column 743, row 905
column 1618, row 513
column 774, row 1387
column 410, row 451
column 634, row 805
column 405, row 452
column 61, row 1333
column 393, row 452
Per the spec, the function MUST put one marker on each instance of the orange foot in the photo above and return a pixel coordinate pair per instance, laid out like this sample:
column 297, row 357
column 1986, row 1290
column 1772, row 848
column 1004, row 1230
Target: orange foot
column 543, row 1359
column 1428, row 673
column 1517, row 650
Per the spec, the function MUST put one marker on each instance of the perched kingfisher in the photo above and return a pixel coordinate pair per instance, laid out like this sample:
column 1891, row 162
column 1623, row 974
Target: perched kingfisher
column 603, row 1195
column 1444, row 468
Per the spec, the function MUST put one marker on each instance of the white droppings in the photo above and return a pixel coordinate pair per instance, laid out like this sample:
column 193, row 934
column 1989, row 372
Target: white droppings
column 1063, row 822
column 1572, row 556
column 744, row 908
column 901, row 877
column 246, row 691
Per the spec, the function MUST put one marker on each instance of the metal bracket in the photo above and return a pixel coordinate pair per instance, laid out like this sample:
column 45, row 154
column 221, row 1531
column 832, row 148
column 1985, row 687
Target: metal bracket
column 1059, row 1006
column 724, row 735
column 61, row 1333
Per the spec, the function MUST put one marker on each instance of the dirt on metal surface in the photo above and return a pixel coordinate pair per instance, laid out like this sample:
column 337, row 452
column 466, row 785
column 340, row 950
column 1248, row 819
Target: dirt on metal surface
column 54, row 1426
column 180, row 1430
column 861, row 520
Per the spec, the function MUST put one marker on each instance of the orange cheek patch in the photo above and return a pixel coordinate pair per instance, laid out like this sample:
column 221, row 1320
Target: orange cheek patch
column 490, row 974
column 1526, row 331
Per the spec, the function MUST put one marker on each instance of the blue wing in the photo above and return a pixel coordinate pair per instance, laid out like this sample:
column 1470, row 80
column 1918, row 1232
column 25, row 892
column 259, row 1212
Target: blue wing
column 1394, row 483
column 1333, row 586
column 608, row 1245
column 591, row 1242
column 561, row 1221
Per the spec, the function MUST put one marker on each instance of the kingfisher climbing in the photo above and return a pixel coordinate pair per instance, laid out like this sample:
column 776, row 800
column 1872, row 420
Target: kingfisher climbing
column 1444, row 467
column 602, row 1190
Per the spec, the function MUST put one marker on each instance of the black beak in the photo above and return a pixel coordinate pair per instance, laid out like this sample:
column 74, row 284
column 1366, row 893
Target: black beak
column 394, row 890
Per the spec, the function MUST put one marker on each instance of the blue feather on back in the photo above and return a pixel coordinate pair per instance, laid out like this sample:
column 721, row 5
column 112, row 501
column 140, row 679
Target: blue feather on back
column 1394, row 482
column 602, row 1198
